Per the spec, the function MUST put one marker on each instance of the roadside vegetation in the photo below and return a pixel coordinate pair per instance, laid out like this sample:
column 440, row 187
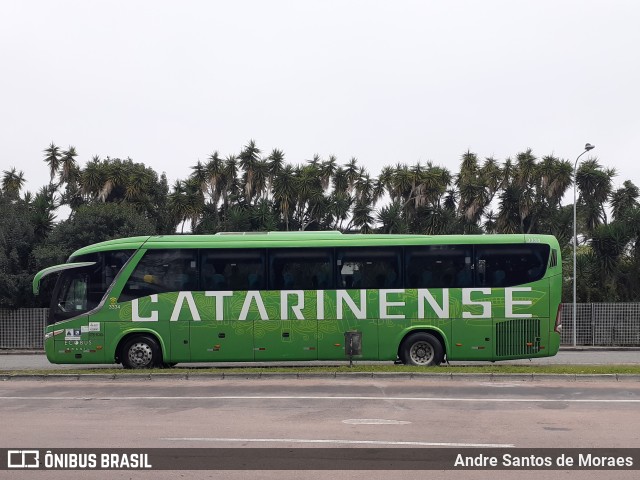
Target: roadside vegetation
column 254, row 191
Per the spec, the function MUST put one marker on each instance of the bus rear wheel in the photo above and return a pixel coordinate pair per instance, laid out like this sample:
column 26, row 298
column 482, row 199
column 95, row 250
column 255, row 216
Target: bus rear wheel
column 421, row 349
column 141, row 351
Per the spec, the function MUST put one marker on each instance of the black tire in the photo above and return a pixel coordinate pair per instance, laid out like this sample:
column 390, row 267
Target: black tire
column 141, row 351
column 421, row 349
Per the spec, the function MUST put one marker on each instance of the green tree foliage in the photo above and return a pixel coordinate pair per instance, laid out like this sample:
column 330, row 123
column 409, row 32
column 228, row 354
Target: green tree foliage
column 91, row 224
column 250, row 190
column 17, row 238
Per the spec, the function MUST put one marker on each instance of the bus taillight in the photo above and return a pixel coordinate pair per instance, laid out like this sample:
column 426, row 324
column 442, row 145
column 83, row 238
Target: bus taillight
column 558, row 327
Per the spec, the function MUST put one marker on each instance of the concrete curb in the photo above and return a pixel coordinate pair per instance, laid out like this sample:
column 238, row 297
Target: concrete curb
column 475, row 377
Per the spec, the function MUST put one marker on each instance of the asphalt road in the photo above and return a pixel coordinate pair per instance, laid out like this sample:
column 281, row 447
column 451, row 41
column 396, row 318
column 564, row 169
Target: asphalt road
column 564, row 357
column 354, row 413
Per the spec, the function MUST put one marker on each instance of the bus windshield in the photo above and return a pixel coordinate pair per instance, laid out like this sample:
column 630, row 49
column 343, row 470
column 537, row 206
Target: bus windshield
column 80, row 290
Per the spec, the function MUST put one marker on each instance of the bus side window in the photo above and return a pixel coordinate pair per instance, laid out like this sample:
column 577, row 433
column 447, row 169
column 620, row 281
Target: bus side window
column 536, row 267
column 254, row 281
column 417, row 271
column 288, row 280
column 512, row 264
column 160, row 271
column 229, row 269
column 213, row 277
column 368, row 268
column 464, row 276
column 300, row 269
column 491, row 266
column 321, row 280
column 498, row 277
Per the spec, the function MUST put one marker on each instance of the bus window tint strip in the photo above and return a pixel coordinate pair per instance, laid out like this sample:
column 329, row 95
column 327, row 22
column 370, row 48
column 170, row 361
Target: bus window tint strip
column 430, row 266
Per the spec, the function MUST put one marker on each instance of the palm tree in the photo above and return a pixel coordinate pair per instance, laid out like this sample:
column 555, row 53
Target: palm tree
column 194, row 202
column 42, row 209
column 468, row 167
column 52, row 158
column 384, row 182
column 509, row 219
column 115, row 176
column 92, row 177
column 490, row 222
column 229, row 181
column 624, row 200
column 438, row 220
column 340, row 206
column 556, row 177
column 364, row 186
column 352, row 173
column 178, row 204
column 12, row 182
column 310, row 201
column 391, row 218
column 200, row 176
column 523, row 187
column 492, row 176
column 595, row 186
column 69, row 171
column 139, row 183
column 609, row 243
column 450, row 201
column 249, row 158
column 362, row 217
column 275, row 164
column 473, row 191
column 433, row 184
column 340, row 181
column 401, row 184
column 284, row 192
column 237, row 219
column 262, row 216
column 260, row 179
column 327, row 171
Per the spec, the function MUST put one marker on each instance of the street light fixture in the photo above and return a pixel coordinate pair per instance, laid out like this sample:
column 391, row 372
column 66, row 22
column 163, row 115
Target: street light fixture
column 587, row 147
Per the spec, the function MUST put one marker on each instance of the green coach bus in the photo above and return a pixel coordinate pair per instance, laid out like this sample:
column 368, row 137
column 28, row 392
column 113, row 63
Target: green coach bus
column 156, row 301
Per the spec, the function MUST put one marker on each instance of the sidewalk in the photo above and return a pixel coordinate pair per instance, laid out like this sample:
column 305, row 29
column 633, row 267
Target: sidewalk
column 589, row 348
column 159, row 375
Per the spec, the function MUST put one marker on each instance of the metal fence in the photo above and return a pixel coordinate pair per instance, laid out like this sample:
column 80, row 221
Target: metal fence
column 597, row 324
column 602, row 324
column 22, row 328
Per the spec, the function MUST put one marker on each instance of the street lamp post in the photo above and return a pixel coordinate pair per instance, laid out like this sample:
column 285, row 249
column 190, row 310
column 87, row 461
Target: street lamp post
column 587, row 147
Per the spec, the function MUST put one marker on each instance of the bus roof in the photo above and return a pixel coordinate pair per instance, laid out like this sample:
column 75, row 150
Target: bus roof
column 303, row 239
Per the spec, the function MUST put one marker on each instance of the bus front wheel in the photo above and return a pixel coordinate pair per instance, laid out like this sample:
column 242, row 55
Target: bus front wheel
column 421, row 349
column 141, row 351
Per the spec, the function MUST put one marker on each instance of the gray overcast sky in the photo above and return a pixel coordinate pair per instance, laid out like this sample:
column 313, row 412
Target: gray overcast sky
column 168, row 82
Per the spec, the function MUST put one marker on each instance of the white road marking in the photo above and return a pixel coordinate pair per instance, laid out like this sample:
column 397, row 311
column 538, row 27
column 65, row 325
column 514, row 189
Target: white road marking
column 337, row 442
column 330, row 398
column 374, row 421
